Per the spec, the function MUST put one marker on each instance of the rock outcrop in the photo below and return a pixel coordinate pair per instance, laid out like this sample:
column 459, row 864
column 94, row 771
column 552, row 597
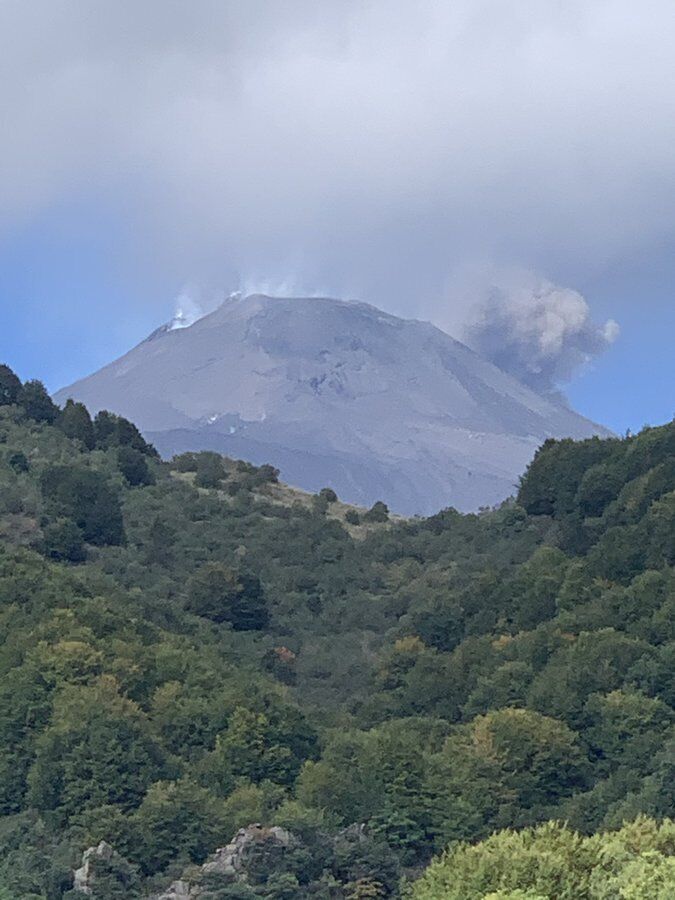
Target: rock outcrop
column 229, row 863
column 101, row 866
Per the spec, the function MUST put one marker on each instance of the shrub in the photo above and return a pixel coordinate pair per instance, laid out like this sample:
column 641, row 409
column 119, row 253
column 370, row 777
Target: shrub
column 378, row 512
column 37, row 403
column 75, row 422
column 19, row 461
column 218, row 593
column 10, row 386
column 63, row 541
column 210, row 470
column 87, row 497
column 134, row 466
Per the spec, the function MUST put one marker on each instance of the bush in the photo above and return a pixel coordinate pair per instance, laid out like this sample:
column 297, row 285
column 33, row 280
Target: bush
column 87, row 497
column 63, row 541
column 75, row 422
column 37, row 403
column 267, row 474
column 218, row 593
column 19, row 461
column 352, row 517
column 378, row 512
column 185, row 462
column 10, row 386
column 320, row 504
column 210, row 470
column 134, row 466
column 115, row 431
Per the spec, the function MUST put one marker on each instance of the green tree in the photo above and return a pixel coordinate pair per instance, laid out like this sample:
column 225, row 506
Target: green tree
column 509, row 766
column 626, row 728
column 19, row 461
column 551, row 861
column 378, row 512
column 260, row 747
column 134, row 467
column 219, row 593
column 97, row 750
column 87, row 498
column 37, row 403
column 159, row 544
column 75, row 422
column 10, row 386
column 64, row 542
column 116, row 431
column 210, row 470
column 177, row 819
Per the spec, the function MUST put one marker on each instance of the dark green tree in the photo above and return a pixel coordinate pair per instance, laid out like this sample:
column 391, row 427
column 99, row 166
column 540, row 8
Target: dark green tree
column 160, row 542
column 64, row 542
column 86, row 497
column 97, row 750
column 378, row 512
column 37, row 403
column 10, row 386
column 75, row 422
column 19, row 461
column 115, row 431
column 219, row 593
column 210, row 470
column 134, row 467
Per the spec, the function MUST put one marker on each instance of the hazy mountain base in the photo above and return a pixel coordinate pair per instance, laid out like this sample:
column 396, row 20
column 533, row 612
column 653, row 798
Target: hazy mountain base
column 184, row 653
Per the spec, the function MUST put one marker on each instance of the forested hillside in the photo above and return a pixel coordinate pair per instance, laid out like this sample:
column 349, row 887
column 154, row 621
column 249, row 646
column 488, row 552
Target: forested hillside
column 190, row 647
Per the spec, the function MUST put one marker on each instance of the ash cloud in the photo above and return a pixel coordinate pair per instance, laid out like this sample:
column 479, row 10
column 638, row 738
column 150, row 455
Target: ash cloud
column 540, row 332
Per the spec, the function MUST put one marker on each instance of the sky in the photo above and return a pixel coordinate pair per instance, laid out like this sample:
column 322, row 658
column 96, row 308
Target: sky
column 503, row 168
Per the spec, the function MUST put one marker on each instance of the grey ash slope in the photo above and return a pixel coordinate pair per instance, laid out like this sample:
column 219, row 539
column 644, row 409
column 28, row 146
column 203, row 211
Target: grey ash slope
column 335, row 393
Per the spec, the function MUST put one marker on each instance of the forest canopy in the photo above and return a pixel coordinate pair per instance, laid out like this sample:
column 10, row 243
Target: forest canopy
column 190, row 647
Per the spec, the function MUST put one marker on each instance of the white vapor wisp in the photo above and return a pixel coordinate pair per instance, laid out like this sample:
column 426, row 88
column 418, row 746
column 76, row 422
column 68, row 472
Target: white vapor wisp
column 187, row 309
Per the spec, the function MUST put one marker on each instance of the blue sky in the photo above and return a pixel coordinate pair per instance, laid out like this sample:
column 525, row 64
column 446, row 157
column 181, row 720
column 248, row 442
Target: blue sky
column 374, row 151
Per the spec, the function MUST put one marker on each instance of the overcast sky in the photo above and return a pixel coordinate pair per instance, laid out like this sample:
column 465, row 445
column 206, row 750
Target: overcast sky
column 501, row 167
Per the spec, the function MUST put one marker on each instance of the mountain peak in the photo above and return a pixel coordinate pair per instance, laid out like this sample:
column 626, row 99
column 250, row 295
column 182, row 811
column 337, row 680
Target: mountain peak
column 337, row 393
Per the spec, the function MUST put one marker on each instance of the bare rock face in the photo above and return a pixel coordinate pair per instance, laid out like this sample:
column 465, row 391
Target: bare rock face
column 102, row 865
column 84, row 876
column 336, row 394
column 229, row 863
column 231, row 860
column 179, row 890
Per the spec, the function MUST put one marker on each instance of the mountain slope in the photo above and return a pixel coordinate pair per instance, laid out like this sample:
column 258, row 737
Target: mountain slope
column 335, row 393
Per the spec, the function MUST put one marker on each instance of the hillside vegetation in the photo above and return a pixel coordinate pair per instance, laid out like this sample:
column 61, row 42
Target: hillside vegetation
column 189, row 647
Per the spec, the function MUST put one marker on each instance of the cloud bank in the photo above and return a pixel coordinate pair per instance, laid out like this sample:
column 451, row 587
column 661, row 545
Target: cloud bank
column 363, row 148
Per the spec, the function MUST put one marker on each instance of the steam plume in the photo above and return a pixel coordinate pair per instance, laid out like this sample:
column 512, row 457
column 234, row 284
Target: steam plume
column 187, row 310
column 538, row 331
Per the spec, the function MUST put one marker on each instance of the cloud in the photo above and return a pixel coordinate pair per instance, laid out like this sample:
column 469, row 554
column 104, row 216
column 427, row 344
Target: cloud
column 367, row 147
column 538, row 331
